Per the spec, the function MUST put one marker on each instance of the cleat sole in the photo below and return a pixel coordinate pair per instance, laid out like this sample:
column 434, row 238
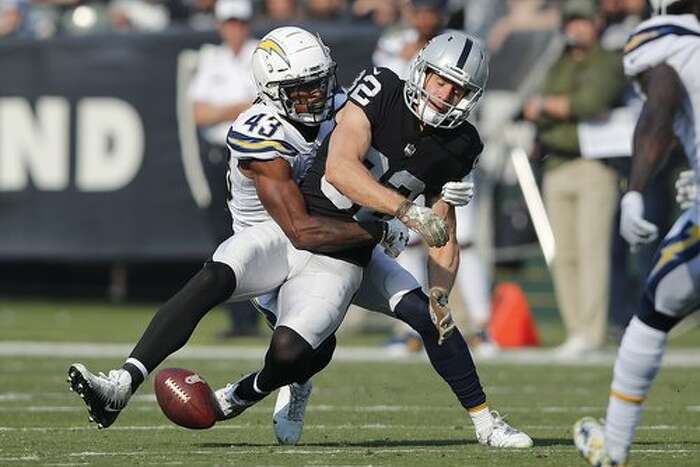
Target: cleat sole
column 81, row 386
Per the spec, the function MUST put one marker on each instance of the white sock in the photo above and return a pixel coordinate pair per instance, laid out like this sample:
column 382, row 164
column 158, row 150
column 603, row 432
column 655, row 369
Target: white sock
column 482, row 419
column 636, row 366
column 141, row 367
column 621, row 422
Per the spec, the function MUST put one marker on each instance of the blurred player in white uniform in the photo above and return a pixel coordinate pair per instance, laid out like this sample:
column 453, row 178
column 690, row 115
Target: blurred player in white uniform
column 663, row 56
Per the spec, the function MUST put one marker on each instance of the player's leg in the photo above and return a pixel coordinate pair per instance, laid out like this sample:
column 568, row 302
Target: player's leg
column 311, row 306
column 290, row 405
column 390, row 289
column 292, row 398
column 230, row 274
column 670, row 294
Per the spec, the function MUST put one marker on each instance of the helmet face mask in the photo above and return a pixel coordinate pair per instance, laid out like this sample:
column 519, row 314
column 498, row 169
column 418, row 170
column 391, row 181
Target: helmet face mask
column 309, row 100
column 458, row 58
column 295, row 74
column 658, row 7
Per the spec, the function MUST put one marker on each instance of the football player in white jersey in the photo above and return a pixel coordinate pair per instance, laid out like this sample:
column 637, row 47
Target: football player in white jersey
column 271, row 145
column 663, row 56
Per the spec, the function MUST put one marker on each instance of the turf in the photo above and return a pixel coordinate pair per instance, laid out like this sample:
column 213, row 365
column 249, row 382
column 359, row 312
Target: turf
column 377, row 413
column 360, row 414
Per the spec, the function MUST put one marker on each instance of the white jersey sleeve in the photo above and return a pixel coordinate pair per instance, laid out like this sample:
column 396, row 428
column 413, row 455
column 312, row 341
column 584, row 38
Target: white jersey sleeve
column 669, row 39
column 675, row 41
column 259, row 133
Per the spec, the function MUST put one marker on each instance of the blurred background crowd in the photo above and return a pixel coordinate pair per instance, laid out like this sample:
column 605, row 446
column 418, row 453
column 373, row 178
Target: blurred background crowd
column 557, row 94
column 492, row 19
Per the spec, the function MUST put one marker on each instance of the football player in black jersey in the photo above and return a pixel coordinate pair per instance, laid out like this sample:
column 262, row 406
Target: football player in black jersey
column 395, row 140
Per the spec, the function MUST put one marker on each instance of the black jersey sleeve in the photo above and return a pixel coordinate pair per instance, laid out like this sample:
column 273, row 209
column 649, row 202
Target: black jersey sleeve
column 375, row 90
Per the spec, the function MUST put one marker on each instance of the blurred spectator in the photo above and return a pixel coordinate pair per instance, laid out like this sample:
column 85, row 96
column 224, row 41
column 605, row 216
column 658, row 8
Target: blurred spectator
column 382, row 13
column 523, row 15
column 280, row 10
column 579, row 193
column 139, row 15
column 326, row 10
column 618, row 19
column 201, row 15
column 221, row 89
column 396, row 48
column 477, row 16
column 13, row 14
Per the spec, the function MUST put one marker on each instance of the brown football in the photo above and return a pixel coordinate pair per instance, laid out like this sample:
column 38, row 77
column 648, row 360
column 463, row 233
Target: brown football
column 185, row 398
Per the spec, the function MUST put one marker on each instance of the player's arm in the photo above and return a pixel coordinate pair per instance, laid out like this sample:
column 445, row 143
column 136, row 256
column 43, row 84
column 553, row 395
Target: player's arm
column 442, row 269
column 348, row 147
column 210, row 114
column 653, row 137
column 345, row 170
column 281, row 197
column 443, row 262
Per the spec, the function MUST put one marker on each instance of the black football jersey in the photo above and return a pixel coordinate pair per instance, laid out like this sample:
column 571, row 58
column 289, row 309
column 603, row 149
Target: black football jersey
column 402, row 156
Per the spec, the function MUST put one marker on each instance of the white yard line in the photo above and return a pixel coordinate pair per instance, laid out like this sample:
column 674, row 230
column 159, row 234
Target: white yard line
column 673, row 358
column 323, row 427
column 151, row 407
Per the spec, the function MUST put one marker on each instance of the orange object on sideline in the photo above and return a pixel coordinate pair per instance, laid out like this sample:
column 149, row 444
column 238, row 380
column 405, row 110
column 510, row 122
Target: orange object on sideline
column 511, row 323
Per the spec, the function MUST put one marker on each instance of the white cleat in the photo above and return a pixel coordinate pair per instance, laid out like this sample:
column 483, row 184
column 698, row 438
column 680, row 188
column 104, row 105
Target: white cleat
column 230, row 406
column 288, row 418
column 589, row 438
column 503, row 435
column 105, row 395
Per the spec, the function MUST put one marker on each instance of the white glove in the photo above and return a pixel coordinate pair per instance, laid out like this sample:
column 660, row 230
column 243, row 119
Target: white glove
column 686, row 189
column 633, row 227
column 424, row 222
column 395, row 237
column 458, row 193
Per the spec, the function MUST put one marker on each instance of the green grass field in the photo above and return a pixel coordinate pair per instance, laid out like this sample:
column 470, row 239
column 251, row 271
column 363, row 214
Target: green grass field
column 361, row 413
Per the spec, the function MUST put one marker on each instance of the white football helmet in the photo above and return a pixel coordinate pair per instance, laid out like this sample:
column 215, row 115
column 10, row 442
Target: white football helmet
column 659, row 7
column 455, row 56
column 294, row 73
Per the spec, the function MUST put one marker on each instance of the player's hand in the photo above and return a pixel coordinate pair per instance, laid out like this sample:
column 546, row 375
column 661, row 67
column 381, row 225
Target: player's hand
column 633, row 227
column 440, row 313
column 424, row 222
column 686, row 189
column 395, row 238
column 458, row 193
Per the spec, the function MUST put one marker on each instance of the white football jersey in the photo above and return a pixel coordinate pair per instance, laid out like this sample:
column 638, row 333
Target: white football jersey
column 675, row 41
column 261, row 133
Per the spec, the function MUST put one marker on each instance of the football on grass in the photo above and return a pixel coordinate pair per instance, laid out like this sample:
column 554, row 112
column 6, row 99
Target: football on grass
column 185, row 398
